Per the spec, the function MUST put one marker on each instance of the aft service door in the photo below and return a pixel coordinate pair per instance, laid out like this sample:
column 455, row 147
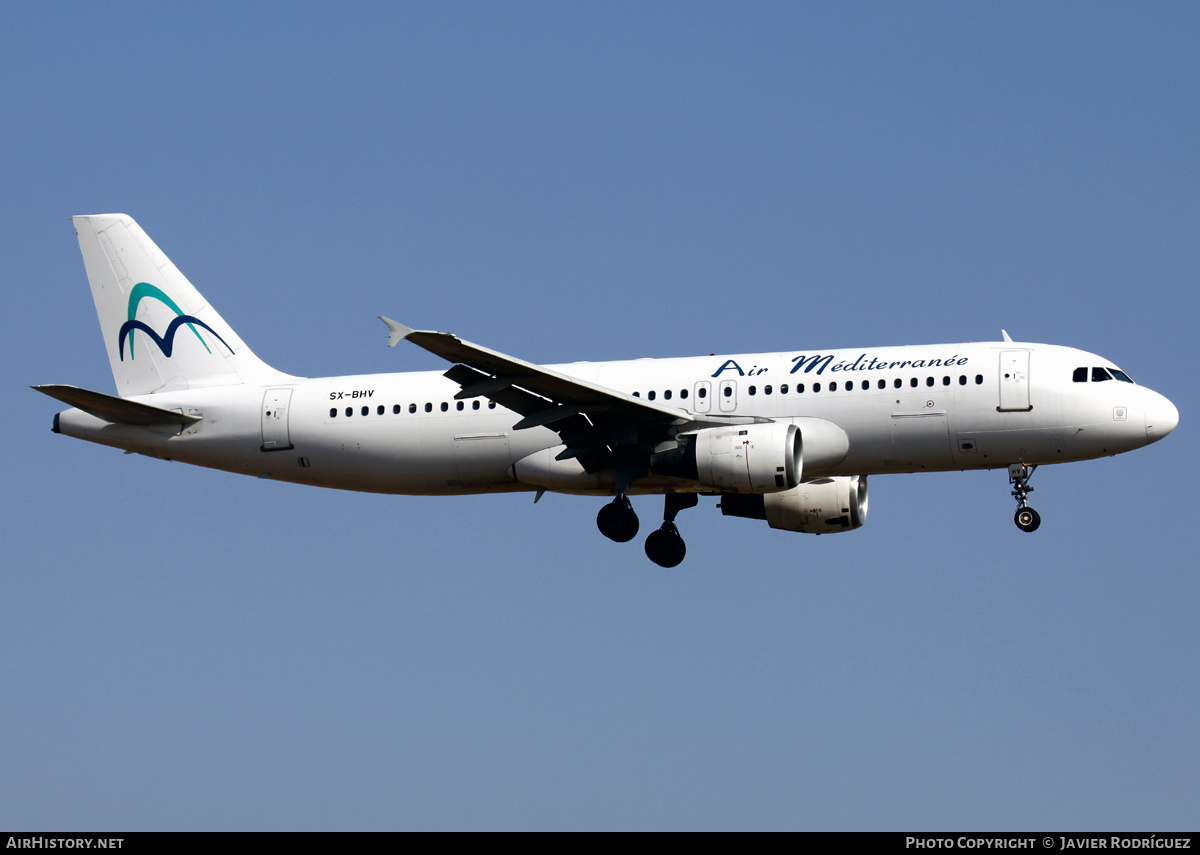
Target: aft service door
column 1014, row 381
column 275, row 435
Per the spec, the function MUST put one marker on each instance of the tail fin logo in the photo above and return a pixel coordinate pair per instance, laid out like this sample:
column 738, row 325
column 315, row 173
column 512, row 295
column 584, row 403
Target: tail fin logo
column 165, row 342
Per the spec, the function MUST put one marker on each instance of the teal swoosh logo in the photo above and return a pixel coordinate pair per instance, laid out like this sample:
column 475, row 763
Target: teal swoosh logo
column 144, row 290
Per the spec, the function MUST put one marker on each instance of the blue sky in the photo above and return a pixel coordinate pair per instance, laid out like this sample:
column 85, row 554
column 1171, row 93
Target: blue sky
column 190, row 649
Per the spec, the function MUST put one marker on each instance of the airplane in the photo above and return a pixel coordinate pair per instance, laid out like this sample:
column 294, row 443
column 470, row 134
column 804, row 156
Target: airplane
column 790, row 437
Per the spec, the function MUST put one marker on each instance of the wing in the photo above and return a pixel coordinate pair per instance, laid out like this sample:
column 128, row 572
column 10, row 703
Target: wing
column 594, row 422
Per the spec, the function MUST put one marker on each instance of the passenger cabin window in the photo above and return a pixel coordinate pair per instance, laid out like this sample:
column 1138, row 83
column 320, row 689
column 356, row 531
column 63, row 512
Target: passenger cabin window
column 396, row 410
column 333, row 413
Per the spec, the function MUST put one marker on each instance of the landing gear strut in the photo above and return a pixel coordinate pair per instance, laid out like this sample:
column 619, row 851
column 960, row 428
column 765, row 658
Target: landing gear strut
column 665, row 547
column 1027, row 519
column 617, row 521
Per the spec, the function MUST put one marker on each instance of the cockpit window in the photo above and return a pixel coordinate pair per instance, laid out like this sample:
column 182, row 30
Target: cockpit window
column 1080, row 375
column 1120, row 375
column 1100, row 374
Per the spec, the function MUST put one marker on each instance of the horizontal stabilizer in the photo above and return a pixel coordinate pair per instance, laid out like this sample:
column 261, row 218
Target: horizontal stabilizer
column 119, row 411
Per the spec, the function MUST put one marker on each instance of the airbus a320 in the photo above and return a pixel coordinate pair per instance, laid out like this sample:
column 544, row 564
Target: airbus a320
column 788, row 437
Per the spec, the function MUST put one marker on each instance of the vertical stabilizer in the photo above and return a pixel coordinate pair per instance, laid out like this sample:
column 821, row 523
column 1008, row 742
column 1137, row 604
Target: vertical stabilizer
column 160, row 333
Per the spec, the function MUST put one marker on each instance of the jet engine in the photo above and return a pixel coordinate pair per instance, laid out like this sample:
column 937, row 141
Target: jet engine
column 757, row 458
column 823, row 506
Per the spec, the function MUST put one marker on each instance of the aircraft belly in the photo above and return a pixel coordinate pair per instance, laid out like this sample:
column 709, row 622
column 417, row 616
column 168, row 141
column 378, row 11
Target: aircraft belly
column 870, row 436
column 920, row 441
column 420, row 454
column 996, row 448
column 482, row 458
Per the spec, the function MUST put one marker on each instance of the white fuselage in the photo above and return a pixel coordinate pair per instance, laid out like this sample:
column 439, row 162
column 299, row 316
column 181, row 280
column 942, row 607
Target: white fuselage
column 903, row 409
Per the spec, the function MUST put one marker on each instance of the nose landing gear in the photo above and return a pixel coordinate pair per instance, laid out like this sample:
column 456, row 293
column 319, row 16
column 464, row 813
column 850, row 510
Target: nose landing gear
column 1026, row 518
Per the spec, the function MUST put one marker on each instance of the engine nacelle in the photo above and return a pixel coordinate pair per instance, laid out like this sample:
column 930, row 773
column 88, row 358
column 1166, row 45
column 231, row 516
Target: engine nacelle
column 758, row 458
column 825, row 445
column 823, row 506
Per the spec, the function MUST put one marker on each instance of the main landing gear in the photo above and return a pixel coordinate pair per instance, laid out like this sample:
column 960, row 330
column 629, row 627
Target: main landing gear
column 665, row 547
column 1027, row 519
column 617, row 521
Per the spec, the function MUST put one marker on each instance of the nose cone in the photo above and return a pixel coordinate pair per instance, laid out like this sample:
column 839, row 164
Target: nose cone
column 1161, row 417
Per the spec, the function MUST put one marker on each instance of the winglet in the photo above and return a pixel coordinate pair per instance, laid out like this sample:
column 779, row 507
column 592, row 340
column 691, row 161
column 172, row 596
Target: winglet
column 1004, row 333
column 396, row 332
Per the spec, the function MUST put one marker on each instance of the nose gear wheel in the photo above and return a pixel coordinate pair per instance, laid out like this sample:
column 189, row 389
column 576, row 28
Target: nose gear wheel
column 1026, row 518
